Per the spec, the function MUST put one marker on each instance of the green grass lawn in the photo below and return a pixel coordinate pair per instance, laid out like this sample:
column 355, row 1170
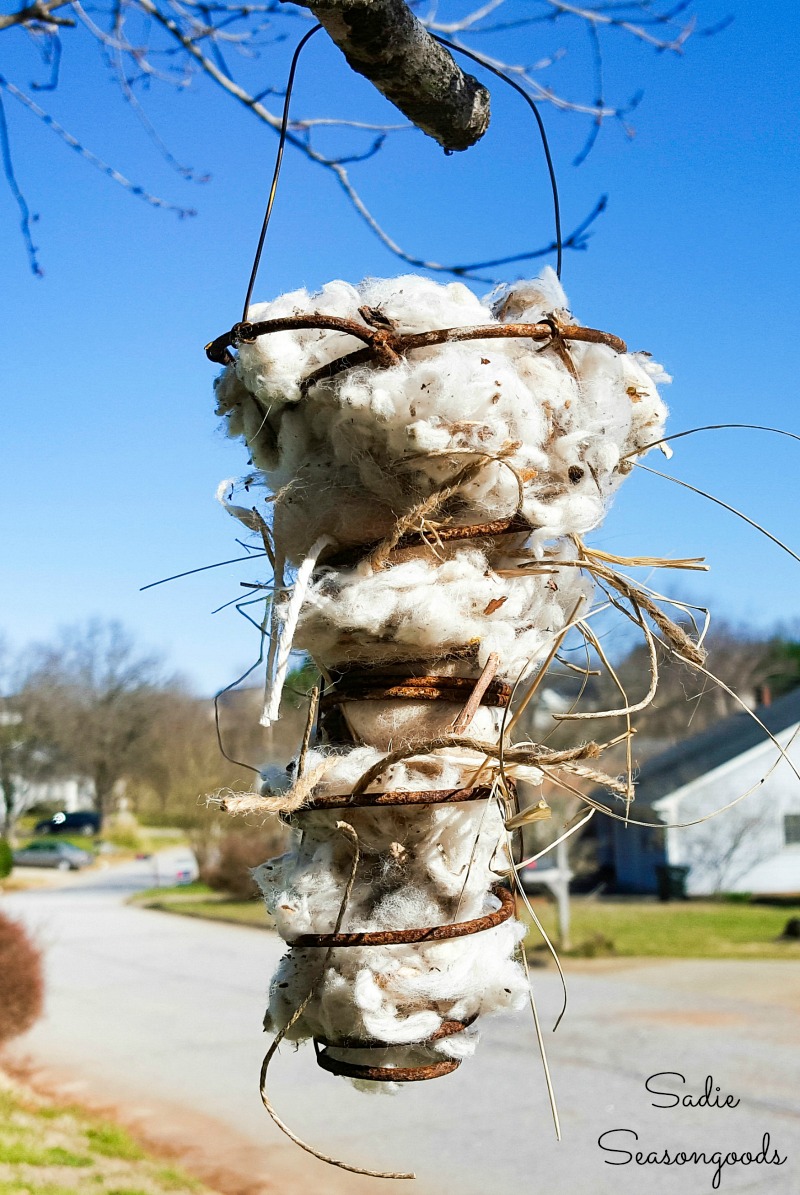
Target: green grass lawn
column 172, row 892
column 198, row 900
column 49, row 1149
column 676, row 929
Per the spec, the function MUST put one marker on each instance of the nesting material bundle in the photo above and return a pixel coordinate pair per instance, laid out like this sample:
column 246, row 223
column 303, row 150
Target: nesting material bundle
column 417, row 865
column 411, row 481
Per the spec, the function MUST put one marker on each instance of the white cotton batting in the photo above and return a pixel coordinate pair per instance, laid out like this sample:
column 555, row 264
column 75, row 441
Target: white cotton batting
column 420, row 866
column 427, row 606
column 360, row 449
column 544, row 432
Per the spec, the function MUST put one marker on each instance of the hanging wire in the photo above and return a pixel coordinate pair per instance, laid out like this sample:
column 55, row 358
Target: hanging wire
column 261, row 628
column 285, row 125
column 551, row 170
column 202, row 569
column 260, row 249
column 278, row 163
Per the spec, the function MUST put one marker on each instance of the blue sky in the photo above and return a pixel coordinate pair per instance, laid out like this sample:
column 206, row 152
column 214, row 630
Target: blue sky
column 110, row 451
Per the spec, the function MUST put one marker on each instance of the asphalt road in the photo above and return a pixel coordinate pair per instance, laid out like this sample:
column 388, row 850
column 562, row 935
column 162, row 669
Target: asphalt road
column 160, row 1017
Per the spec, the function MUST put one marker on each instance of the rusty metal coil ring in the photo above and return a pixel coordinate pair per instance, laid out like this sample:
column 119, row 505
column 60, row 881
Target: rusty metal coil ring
column 431, row 933
column 420, row 688
column 388, row 1074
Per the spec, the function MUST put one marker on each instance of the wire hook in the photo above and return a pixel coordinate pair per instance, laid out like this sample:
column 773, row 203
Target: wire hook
column 285, row 125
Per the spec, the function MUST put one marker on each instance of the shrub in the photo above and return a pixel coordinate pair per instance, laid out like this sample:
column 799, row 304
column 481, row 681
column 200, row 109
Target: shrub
column 21, row 982
column 597, row 945
column 237, row 853
column 41, row 809
column 6, row 859
column 124, row 838
column 169, row 820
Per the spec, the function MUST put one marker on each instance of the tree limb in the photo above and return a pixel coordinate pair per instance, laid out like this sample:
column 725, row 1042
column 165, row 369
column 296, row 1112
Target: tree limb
column 171, row 41
column 38, row 13
column 384, row 41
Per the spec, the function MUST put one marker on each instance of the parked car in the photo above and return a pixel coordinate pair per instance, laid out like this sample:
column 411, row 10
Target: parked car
column 62, row 855
column 87, row 824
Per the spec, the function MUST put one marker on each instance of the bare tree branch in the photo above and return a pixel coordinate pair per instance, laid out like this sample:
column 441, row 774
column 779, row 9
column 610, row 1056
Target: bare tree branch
column 36, row 14
column 384, row 41
column 26, row 219
column 87, row 155
column 174, row 42
column 598, row 17
column 464, row 23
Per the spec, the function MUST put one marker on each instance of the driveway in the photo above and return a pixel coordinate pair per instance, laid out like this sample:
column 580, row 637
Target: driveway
column 160, row 1017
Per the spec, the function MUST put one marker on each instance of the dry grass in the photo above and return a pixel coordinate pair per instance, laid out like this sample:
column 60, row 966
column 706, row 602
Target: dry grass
column 50, row 1149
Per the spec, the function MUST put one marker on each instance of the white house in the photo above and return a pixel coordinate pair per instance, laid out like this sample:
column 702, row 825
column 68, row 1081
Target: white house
column 754, row 846
column 69, row 794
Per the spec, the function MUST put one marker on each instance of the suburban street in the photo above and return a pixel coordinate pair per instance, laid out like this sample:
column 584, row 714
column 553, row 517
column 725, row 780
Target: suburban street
column 159, row 1017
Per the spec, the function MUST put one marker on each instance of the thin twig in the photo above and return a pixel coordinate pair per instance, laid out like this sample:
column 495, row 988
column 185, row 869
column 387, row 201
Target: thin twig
column 90, row 157
column 469, row 711
column 313, row 703
column 11, row 178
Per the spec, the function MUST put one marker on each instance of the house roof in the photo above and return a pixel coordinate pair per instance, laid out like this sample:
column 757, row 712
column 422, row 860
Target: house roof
column 704, row 752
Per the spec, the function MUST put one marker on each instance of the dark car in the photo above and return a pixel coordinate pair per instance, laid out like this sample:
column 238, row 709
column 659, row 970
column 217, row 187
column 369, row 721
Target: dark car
column 62, row 855
column 87, row 824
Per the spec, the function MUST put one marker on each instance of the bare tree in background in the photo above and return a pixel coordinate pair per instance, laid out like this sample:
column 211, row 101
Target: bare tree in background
column 234, row 47
column 95, row 700
column 184, row 763
column 93, row 705
column 23, row 756
column 749, row 663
